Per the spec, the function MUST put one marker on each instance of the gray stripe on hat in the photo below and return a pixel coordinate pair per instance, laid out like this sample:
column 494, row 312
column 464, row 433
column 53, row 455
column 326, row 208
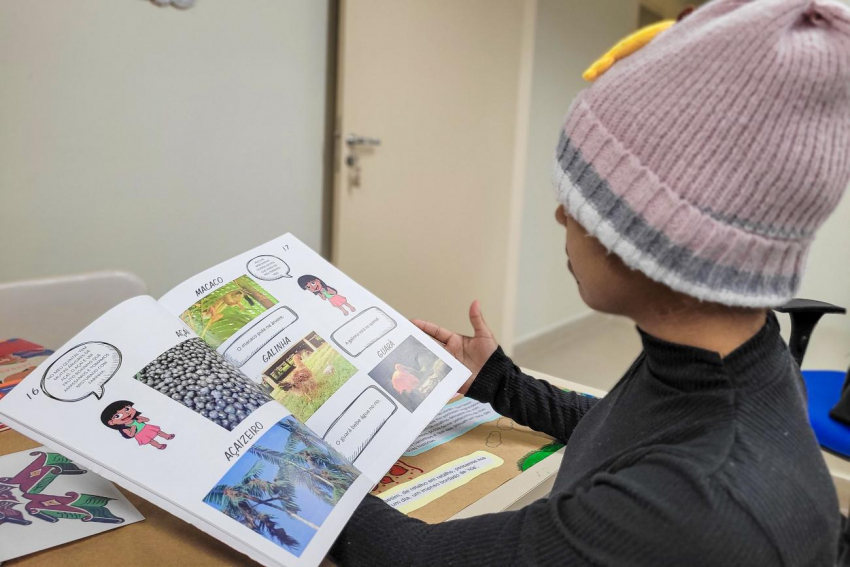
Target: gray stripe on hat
column 759, row 228
column 634, row 228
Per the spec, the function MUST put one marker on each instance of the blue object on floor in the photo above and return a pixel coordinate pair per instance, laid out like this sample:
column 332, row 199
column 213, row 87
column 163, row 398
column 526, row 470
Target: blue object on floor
column 824, row 390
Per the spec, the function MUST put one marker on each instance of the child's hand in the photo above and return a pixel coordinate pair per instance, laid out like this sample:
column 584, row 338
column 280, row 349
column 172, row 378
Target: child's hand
column 473, row 351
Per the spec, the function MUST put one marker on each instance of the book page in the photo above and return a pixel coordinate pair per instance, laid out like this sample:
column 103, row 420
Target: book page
column 138, row 398
column 343, row 362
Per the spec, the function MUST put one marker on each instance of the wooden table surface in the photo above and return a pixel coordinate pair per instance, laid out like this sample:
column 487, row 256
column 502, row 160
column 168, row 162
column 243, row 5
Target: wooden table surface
column 159, row 539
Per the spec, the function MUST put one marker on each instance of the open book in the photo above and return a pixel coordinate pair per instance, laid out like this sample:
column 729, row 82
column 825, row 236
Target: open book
column 259, row 400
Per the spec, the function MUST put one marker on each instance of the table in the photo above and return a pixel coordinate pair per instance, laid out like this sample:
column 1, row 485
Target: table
column 163, row 539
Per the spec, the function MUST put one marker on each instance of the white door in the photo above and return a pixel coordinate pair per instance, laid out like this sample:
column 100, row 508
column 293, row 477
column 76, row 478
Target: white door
column 427, row 225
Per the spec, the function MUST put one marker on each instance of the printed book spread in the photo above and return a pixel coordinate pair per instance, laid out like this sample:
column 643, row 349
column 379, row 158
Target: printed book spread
column 260, row 400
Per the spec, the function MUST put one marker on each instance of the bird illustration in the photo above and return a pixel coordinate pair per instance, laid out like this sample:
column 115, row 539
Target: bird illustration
column 404, row 379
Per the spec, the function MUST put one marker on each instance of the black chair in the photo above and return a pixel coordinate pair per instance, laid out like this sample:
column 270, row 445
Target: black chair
column 824, row 390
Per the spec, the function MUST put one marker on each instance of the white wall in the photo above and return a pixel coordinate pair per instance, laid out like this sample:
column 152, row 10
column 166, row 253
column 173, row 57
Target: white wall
column 157, row 140
column 827, row 275
column 569, row 37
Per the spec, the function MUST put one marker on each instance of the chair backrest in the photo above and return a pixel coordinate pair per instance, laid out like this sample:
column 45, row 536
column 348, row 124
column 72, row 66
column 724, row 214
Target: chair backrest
column 51, row 311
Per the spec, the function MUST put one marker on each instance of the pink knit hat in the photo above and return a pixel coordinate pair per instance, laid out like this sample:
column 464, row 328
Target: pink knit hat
column 708, row 159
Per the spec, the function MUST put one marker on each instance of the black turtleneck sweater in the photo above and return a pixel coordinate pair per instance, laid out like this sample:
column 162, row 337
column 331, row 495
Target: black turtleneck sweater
column 690, row 460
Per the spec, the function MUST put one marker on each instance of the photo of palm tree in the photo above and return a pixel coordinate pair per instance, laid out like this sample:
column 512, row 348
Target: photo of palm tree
column 285, row 486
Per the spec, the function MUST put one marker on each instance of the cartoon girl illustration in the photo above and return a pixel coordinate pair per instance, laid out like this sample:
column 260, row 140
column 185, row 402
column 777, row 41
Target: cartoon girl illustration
column 122, row 416
column 323, row 290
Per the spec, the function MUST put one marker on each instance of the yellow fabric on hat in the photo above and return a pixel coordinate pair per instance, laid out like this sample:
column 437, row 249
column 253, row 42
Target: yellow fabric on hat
column 625, row 48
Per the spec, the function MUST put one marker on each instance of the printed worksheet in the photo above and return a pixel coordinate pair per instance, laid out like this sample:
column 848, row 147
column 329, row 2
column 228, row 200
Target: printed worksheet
column 260, row 400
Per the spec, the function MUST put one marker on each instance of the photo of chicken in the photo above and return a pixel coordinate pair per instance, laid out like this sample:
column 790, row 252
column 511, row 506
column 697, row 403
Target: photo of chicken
column 301, row 379
column 306, row 375
column 410, row 372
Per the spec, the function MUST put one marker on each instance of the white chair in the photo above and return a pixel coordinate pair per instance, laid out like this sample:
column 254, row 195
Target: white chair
column 50, row 311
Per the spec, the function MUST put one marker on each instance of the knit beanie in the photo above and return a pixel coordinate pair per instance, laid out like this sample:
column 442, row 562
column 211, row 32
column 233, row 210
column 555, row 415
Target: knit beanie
column 708, row 159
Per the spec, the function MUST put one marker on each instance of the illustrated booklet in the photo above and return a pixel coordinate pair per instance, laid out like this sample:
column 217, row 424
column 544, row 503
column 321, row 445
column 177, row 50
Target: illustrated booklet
column 260, row 400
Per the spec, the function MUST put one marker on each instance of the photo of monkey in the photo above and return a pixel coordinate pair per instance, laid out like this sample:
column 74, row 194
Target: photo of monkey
column 217, row 316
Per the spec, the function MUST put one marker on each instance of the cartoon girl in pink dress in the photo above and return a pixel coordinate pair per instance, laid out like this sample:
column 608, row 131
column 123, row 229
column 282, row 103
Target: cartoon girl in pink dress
column 122, row 416
column 327, row 293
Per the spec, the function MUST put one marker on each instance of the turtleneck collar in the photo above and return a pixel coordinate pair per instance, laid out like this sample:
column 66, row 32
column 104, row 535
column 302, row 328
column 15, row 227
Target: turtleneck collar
column 692, row 368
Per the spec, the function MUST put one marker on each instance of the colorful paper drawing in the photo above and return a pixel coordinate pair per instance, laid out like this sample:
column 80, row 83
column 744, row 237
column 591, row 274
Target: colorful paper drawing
column 217, row 316
column 532, row 458
column 123, row 417
column 326, row 293
column 47, row 500
column 399, row 473
column 31, row 482
column 410, row 372
column 285, row 486
column 306, row 375
column 18, row 358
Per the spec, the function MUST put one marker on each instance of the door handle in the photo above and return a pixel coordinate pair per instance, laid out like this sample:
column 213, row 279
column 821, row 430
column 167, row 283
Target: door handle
column 352, row 160
column 353, row 140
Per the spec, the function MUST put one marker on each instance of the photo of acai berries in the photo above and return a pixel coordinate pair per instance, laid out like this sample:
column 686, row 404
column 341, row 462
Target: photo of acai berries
column 200, row 379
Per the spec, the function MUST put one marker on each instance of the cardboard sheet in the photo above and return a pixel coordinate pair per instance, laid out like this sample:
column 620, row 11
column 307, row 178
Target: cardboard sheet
column 514, row 447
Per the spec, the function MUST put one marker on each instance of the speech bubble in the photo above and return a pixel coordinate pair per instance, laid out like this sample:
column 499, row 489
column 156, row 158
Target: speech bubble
column 259, row 334
column 363, row 331
column 352, row 431
column 81, row 371
column 268, row 268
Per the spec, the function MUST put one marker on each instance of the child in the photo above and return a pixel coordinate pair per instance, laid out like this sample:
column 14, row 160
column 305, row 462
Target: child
column 691, row 179
column 323, row 290
column 122, row 416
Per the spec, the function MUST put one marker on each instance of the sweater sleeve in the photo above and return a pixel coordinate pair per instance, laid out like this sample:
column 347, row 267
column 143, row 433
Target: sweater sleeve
column 526, row 400
column 648, row 514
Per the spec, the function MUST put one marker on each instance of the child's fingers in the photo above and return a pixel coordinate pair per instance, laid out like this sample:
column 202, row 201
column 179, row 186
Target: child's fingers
column 477, row 319
column 432, row 330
